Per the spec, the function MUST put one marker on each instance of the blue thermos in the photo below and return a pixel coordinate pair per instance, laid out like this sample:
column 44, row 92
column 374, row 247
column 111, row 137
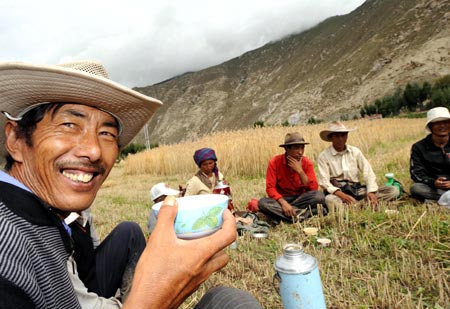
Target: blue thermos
column 299, row 280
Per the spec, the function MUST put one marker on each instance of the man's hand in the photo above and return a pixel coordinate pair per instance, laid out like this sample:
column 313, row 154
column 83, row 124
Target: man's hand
column 372, row 198
column 171, row 269
column 442, row 183
column 287, row 208
column 347, row 199
column 295, row 164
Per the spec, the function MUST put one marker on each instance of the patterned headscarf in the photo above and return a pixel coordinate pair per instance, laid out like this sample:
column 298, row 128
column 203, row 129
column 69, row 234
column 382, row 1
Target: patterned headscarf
column 204, row 154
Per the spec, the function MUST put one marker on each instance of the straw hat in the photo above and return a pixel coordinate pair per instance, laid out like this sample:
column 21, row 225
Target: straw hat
column 24, row 86
column 293, row 139
column 334, row 127
column 436, row 114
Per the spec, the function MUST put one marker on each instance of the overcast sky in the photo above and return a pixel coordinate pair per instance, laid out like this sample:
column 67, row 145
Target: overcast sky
column 142, row 42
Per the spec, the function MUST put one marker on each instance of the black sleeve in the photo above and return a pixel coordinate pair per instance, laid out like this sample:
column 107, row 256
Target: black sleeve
column 417, row 168
column 12, row 296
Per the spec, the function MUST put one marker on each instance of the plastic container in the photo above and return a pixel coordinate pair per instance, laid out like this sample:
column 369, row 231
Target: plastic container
column 392, row 182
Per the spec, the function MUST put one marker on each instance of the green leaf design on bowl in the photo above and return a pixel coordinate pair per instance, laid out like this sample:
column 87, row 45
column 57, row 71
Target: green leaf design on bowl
column 208, row 220
column 213, row 212
column 199, row 223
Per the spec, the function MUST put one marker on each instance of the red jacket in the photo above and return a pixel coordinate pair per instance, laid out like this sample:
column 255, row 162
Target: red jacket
column 281, row 180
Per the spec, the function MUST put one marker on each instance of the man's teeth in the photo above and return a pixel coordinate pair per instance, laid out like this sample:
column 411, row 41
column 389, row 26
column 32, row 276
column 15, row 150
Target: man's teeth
column 83, row 177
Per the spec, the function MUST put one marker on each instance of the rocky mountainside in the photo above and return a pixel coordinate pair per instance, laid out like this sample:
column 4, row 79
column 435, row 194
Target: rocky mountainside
column 327, row 72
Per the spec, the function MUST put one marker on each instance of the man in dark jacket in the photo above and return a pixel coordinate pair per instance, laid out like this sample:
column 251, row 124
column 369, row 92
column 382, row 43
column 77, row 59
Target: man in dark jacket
column 430, row 158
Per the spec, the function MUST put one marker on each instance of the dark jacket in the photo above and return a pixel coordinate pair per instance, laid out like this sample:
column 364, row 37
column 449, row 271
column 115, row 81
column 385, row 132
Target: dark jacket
column 84, row 255
column 429, row 162
column 34, row 249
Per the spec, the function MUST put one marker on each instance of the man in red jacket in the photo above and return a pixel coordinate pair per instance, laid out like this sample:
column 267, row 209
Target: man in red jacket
column 291, row 184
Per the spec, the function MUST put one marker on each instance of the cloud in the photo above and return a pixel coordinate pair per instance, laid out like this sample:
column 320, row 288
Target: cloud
column 142, row 42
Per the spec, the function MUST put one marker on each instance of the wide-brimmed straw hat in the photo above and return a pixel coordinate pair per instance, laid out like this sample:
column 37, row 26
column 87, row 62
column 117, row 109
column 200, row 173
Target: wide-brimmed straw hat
column 334, row 127
column 293, row 139
column 436, row 114
column 24, row 86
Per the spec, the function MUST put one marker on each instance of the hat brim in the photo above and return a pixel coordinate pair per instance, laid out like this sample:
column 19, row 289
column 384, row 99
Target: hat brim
column 296, row 143
column 437, row 119
column 325, row 135
column 167, row 192
column 24, row 86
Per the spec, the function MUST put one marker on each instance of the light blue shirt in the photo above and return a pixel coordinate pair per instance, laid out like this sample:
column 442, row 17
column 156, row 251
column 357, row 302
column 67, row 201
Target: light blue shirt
column 13, row 181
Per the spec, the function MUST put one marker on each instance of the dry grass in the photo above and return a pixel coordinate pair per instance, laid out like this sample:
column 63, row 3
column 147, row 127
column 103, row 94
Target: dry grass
column 245, row 153
column 374, row 261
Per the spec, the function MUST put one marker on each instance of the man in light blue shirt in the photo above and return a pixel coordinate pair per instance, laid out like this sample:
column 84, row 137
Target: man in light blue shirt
column 61, row 130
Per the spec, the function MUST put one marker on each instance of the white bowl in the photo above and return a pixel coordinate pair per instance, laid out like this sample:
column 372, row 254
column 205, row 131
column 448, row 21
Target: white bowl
column 259, row 235
column 311, row 231
column 391, row 212
column 324, row 241
column 198, row 215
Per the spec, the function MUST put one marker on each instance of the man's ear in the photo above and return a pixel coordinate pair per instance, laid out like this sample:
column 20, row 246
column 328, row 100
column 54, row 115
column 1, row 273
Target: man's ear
column 13, row 144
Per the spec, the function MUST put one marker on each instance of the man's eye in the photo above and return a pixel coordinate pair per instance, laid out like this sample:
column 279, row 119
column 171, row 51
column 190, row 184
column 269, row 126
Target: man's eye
column 110, row 134
column 69, row 124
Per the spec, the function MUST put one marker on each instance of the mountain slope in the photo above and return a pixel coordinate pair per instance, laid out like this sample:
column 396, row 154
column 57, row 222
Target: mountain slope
column 327, row 72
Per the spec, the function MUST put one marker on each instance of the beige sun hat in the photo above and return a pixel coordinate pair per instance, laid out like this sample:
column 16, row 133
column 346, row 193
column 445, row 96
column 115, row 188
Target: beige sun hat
column 293, row 138
column 436, row 114
column 24, row 86
column 334, row 127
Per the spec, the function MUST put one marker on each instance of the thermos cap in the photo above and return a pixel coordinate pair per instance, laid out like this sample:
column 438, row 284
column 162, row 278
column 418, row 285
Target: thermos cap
column 295, row 261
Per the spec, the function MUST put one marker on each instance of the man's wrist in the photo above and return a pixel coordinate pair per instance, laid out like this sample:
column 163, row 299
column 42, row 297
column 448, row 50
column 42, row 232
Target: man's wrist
column 282, row 202
column 335, row 192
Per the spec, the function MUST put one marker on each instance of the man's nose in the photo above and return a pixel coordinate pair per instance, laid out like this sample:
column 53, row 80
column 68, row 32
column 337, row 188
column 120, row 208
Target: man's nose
column 89, row 146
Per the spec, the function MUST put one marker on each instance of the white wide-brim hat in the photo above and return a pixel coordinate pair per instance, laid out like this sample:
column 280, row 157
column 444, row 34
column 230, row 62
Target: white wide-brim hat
column 334, row 127
column 436, row 114
column 161, row 189
column 24, row 86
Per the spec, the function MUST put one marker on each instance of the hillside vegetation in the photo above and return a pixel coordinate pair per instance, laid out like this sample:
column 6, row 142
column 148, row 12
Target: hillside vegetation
column 413, row 97
column 376, row 259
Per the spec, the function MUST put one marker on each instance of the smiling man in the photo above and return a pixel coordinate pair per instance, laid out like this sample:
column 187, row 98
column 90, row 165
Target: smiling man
column 291, row 184
column 65, row 176
column 62, row 128
column 430, row 158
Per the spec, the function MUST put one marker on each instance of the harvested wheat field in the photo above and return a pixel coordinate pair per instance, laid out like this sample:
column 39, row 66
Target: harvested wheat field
column 375, row 260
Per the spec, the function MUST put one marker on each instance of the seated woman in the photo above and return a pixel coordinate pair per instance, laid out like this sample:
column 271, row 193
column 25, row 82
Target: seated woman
column 206, row 178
